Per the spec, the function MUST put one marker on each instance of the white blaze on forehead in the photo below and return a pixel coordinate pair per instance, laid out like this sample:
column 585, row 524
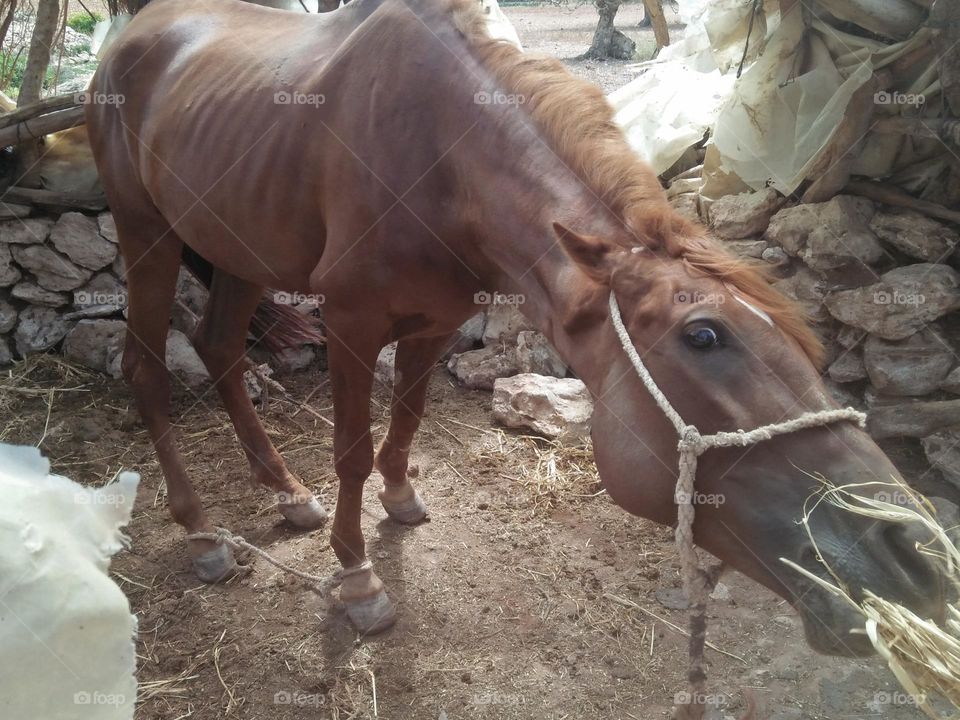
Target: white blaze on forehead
column 756, row 311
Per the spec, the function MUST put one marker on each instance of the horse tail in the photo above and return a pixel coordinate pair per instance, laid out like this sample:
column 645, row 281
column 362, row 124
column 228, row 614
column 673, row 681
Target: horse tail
column 275, row 326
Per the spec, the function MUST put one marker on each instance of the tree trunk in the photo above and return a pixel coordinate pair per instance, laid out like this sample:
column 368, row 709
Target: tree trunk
column 10, row 8
column 38, row 60
column 608, row 42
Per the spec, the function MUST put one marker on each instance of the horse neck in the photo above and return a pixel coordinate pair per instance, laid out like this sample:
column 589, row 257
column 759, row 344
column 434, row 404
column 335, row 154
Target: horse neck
column 518, row 192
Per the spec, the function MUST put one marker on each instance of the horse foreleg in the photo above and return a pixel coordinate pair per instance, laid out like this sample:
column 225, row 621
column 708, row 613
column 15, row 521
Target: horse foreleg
column 414, row 362
column 351, row 380
column 220, row 341
column 152, row 255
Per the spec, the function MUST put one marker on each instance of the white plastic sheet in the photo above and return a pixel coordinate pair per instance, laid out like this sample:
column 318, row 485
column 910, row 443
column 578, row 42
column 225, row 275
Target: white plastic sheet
column 66, row 631
column 773, row 125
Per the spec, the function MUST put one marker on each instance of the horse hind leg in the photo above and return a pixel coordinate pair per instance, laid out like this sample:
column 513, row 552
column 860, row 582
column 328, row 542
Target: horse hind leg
column 151, row 252
column 414, row 361
column 220, row 341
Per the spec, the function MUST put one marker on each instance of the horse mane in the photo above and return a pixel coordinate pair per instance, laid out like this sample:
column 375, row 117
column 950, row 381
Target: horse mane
column 578, row 122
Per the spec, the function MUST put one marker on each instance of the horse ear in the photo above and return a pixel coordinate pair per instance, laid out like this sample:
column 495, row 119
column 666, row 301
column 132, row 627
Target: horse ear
column 592, row 254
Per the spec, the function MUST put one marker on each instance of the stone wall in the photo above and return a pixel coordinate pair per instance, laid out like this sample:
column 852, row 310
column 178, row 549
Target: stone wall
column 62, row 288
column 881, row 286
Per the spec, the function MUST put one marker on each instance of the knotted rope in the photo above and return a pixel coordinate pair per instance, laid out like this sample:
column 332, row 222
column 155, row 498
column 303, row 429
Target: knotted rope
column 323, row 585
column 697, row 581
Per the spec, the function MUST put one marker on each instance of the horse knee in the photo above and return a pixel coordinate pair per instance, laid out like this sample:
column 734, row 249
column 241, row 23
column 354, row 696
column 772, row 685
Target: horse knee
column 354, row 466
column 146, row 376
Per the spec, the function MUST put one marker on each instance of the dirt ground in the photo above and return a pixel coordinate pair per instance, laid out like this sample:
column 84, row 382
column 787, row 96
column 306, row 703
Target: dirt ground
column 528, row 595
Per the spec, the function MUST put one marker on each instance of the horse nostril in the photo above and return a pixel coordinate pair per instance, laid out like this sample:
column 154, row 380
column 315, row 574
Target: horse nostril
column 901, row 541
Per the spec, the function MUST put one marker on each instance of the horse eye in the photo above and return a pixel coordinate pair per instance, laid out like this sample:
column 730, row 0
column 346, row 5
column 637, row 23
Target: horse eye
column 702, row 337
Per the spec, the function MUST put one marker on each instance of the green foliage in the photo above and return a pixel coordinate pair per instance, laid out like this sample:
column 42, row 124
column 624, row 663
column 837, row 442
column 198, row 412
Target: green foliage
column 12, row 66
column 83, row 23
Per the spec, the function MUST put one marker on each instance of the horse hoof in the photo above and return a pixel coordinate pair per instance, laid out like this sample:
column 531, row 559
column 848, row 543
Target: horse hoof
column 403, row 505
column 215, row 565
column 308, row 515
column 372, row 615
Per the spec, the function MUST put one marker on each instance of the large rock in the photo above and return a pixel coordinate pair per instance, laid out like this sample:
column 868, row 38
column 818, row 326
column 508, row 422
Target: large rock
column 473, row 328
column 9, row 273
column 32, row 231
column 848, row 367
column 13, row 210
column 827, row 235
column 191, row 299
column 467, row 337
column 504, row 323
column 93, row 343
column 535, row 354
column 385, row 369
column 6, row 355
column 915, row 235
column 78, row 237
column 102, row 296
column 951, row 383
column 38, row 329
column 180, row 357
column 52, row 270
column 912, row 419
column 183, row 361
column 914, row 366
column 478, row 369
column 295, row 359
column 8, row 316
column 107, row 227
column 553, row 407
column 734, row 217
column 33, row 294
column 942, row 449
column 904, row 301
column 747, row 248
column 808, row 289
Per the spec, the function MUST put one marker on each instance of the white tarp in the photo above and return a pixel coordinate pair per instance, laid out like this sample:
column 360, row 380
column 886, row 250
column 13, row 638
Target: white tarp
column 773, row 125
column 66, row 632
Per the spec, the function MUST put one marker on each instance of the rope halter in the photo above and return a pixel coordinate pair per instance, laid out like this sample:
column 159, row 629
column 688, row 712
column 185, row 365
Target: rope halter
column 692, row 444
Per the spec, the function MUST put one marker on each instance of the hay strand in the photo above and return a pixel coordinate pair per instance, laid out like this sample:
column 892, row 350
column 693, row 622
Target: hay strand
column 923, row 656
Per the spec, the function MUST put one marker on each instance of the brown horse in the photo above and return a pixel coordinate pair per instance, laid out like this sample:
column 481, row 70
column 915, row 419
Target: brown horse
column 394, row 159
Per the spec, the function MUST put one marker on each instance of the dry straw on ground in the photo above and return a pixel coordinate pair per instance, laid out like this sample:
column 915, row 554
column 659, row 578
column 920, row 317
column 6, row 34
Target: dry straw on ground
column 924, row 656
